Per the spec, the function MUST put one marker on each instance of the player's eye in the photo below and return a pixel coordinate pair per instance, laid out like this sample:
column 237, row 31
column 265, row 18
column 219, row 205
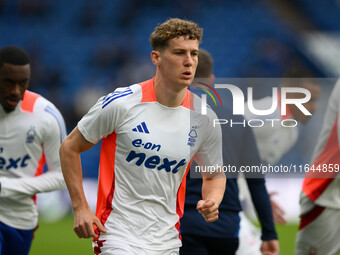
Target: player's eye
column 8, row 82
column 22, row 83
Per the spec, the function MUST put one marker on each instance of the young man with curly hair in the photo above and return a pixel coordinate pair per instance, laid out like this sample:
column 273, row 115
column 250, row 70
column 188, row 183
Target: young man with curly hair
column 150, row 132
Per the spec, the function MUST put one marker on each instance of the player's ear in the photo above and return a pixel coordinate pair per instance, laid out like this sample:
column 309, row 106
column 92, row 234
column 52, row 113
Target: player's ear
column 211, row 79
column 155, row 57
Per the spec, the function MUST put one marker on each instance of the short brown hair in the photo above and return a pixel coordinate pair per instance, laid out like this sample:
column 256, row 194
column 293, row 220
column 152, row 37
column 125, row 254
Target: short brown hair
column 297, row 76
column 173, row 28
column 205, row 64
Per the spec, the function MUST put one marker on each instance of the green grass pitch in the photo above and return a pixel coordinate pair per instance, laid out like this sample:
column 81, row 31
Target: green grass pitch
column 58, row 238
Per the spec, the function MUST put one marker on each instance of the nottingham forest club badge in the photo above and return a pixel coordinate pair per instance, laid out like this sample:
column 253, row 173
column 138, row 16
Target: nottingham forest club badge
column 30, row 135
column 192, row 136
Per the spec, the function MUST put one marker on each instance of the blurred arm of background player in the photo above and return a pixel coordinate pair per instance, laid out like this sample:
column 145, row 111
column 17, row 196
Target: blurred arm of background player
column 274, row 142
column 259, row 194
column 278, row 212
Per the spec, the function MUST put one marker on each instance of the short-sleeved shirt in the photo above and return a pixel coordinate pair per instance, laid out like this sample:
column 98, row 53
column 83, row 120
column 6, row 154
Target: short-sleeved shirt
column 145, row 154
column 239, row 150
column 273, row 139
column 321, row 185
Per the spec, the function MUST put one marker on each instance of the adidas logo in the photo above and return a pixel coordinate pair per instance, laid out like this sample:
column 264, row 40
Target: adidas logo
column 142, row 128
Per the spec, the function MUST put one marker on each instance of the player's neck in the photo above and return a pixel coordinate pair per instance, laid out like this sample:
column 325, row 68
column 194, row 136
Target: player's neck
column 169, row 95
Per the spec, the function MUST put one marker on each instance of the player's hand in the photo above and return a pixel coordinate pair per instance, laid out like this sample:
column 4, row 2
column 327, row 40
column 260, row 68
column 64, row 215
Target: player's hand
column 270, row 247
column 84, row 220
column 278, row 212
column 208, row 209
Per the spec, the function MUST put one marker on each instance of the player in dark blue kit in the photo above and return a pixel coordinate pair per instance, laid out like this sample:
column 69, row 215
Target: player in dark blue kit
column 239, row 149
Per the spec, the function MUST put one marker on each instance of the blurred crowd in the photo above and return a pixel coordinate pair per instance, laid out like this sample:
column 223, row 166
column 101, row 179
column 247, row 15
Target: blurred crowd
column 82, row 50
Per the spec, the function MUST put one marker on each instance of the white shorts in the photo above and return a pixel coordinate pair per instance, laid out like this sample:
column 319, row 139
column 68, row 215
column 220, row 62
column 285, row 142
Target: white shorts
column 249, row 238
column 119, row 248
column 319, row 232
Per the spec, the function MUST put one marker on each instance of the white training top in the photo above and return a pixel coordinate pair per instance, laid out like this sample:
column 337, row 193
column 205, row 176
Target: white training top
column 321, row 185
column 145, row 156
column 273, row 139
column 30, row 136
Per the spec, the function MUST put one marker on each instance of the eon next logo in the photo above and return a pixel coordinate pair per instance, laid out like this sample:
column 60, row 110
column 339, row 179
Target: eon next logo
column 153, row 162
column 14, row 163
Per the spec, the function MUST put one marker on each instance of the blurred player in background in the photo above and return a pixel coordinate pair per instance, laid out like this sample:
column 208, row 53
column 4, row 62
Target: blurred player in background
column 239, row 149
column 273, row 142
column 276, row 140
column 320, row 197
column 32, row 130
column 150, row 134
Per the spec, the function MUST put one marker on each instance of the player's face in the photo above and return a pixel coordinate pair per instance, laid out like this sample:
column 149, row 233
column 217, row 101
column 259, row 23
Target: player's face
column 14, row 81
column 310, row 105
column 178, row 62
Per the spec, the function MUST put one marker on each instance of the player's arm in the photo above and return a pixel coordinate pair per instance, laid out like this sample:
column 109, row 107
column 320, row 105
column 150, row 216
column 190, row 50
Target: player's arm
column 259, row 195
column 278, row 212
column 214, row 181
column 53, row 133
column 213, row 188
column 70, row 151
column 263, row 208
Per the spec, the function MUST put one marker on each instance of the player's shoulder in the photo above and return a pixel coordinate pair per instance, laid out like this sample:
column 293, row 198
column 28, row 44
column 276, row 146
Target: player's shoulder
column 127, row 97
column 43, row 110
column 261, row 104
column 199, row 107
column 122, row 97
column 35, row 103
column 336, row 91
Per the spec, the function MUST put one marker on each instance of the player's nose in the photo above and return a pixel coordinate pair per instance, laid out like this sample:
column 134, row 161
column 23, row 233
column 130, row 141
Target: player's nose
column 188, row 61
column 16, row 89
